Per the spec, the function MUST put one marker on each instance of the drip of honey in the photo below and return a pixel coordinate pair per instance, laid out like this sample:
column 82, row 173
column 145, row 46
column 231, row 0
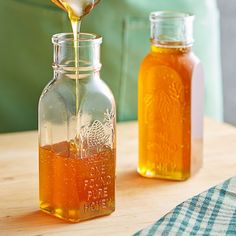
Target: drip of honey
column 75, row 188
column 165, row 113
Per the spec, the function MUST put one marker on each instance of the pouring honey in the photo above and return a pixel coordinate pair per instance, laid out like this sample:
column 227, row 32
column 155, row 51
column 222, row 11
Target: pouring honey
column 77, row 128
column 76, row 10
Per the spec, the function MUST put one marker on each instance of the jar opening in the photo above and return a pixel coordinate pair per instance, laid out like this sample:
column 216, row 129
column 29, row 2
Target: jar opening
column 67, row 39
column 171, row 15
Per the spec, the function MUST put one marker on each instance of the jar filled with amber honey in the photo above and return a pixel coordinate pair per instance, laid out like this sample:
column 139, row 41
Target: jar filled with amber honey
column 170, row 100
column 77, row 133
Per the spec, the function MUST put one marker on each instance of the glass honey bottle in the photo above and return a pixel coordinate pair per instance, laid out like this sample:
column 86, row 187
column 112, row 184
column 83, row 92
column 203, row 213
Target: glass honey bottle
column 170, row 100
column 77, row 134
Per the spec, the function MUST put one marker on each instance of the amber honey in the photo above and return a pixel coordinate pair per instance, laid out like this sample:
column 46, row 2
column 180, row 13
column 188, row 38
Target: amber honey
column 75, row 188
column 165, row 112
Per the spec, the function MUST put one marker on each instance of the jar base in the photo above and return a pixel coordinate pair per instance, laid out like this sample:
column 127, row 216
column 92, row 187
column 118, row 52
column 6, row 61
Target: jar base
column 71, row 216
column 153, row 174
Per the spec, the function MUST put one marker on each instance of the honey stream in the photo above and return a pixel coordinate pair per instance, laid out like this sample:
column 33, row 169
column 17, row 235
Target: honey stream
column 76, row 10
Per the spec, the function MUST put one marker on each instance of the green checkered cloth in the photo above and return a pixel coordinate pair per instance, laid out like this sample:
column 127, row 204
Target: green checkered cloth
column 210, row 213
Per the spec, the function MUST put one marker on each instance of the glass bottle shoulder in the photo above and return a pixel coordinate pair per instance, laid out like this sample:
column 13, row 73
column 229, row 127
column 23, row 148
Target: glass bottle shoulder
column 93, row 93
column 173, row 58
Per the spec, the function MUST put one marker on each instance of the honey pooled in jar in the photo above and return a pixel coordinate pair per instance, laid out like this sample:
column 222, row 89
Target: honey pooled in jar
column 165, row 113
column 76, row 188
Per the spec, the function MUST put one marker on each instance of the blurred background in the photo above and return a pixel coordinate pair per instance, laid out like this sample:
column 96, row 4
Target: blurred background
column 26, row 53
column 228, row 55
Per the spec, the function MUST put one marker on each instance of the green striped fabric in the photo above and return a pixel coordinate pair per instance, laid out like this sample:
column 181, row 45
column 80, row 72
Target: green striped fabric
column 210, row 213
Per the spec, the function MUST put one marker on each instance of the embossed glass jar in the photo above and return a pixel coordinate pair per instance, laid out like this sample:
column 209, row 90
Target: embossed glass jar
column 170, row 100
column 77, row 134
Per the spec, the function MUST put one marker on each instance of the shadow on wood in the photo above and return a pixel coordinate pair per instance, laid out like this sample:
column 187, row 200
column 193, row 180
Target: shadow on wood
column 33, row 222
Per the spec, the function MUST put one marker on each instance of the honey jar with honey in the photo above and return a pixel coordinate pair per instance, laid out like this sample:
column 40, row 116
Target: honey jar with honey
column 77, row 134
column 77, row 127
column 170, row 100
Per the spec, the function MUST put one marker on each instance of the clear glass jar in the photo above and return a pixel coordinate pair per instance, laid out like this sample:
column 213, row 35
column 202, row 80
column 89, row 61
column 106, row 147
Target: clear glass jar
column 170, row 100
column 77, row 134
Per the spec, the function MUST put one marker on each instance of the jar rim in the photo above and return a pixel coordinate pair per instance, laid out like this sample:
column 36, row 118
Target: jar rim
column 63, row 38
column 170, row 15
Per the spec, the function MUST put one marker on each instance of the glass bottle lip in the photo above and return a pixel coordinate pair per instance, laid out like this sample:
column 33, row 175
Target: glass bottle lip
column 84, row 39
column 170, row 15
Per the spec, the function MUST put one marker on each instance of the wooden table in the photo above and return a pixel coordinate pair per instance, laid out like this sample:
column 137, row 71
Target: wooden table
column 140, row 201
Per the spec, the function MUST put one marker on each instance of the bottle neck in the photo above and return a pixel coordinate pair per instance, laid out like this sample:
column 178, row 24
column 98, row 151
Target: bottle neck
column 171, row 29
column 76, row 59
column 174, row 48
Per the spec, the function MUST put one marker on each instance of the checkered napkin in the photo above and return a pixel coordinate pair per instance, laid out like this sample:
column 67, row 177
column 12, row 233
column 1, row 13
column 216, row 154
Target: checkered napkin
column 210, row 213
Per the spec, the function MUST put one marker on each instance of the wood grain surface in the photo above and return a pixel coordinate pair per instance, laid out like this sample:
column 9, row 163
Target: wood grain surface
column 140, row 201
